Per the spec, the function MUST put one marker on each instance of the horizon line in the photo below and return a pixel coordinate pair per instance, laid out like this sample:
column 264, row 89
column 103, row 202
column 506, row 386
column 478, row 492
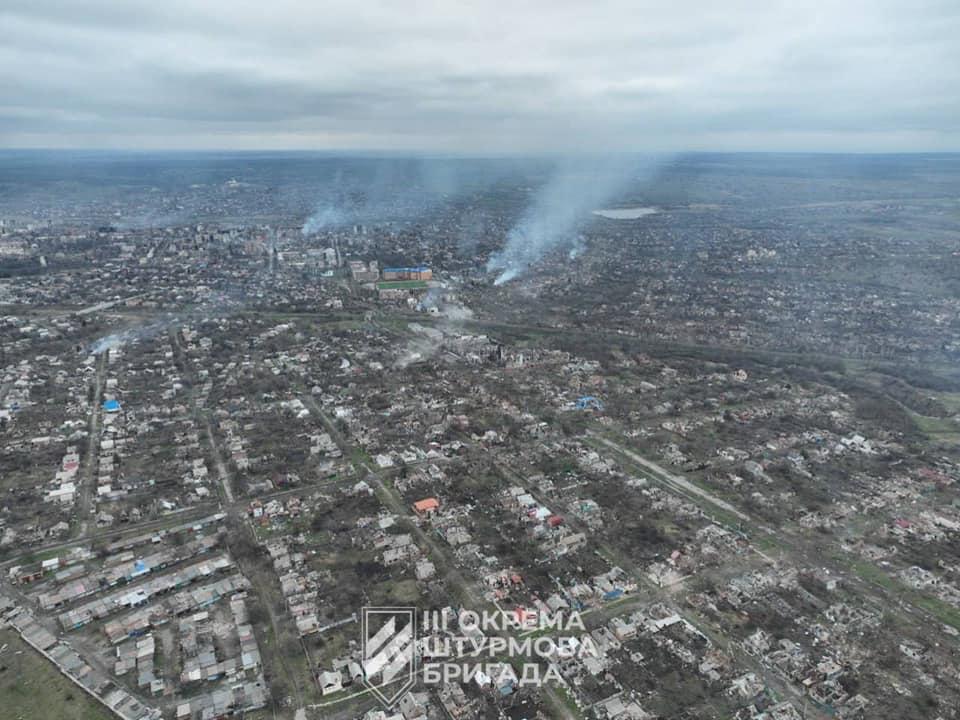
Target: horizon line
column 461, row 154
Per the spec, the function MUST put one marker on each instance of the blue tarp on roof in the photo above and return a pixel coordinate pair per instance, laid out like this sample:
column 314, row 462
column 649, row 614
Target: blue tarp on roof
column 613, row 594
column 589, row 401
column 111, row 405
column 416, row 268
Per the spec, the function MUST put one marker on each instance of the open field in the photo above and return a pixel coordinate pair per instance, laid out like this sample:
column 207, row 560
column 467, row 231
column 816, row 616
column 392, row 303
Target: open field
column 402, row 285
column 32, row 689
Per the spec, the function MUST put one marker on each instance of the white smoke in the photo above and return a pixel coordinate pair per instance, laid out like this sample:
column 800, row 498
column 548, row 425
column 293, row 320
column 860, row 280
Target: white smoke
column 109, row 342
column 561, row 207
column 398, row 190
column 579, row 247
column 214, row 305
column 324, row 218
column 124, row 337
column 508, row 274
column 428, row 341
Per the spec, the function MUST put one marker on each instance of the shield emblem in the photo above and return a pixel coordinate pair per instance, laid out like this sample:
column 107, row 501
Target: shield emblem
column 389, row 651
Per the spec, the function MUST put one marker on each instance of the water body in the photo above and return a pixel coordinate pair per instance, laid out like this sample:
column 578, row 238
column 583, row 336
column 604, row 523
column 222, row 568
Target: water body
column 626, row 213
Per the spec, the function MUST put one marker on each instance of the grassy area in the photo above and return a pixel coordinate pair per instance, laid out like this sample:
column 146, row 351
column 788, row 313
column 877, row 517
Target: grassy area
column 871, row 573
column 767, row 543
column 716, row 513
column 563, row 695
column 950, row 400
column 39, row 557
column 943, row 429
column 402, row 285
column 944, row 612
column 395, row 592
column 361, row 459
column 31, row 687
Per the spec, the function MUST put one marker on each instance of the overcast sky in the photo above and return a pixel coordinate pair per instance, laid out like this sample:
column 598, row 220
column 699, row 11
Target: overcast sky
column 484, row 76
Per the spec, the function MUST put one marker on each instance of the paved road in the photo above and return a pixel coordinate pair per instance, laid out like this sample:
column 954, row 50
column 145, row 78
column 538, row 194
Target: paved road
column 799, row 553
column 468, row 590
column 88, row 471
column 395, row 502
column 677, row 482
column 222, row 472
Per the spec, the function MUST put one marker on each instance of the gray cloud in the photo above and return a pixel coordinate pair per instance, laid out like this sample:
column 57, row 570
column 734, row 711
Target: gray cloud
column 551, row 75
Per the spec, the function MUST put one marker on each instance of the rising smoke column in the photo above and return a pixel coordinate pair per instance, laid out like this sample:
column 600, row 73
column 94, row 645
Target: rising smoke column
column 398, row 190
column 394, row 189
column 428, row 341
column 213, row 306
column 577, row 187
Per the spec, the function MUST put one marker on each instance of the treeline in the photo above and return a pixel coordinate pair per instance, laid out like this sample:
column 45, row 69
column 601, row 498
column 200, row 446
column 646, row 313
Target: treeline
column 18, row 267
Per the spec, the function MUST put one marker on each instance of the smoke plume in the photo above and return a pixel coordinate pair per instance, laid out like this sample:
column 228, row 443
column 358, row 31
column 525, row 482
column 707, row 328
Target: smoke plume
column 214, row 305
column 386, row 190
column 561, row 207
